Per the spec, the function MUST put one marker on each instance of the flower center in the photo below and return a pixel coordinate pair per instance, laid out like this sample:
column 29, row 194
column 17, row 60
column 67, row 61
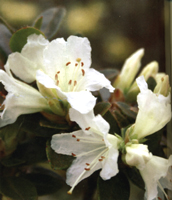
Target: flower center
column 69, row 79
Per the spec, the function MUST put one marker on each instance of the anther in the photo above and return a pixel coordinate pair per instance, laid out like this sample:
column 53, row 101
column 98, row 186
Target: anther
column 76, row 64
column 100, row 160
column 68, row 63
column 159, row 198
column 73, row 154
column 78, row 140
column 83, row 72
column 87, row 169
column 102, row 157
column 162, row 79
column 70, row 82
column 82, row 64
column 75, row 82
column 57, row 82
column 87, row 164
column 56, row 77
column 74, row 136
column 87, row 128
column 2, row 95
column 78, row 59
column 58, row 72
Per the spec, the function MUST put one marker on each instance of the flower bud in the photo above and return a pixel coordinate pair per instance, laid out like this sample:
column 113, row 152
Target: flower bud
column 129, row 71
column 163, row 86
column 148, row 71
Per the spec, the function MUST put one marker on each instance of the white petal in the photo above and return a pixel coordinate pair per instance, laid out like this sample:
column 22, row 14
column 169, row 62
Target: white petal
column 137, row 155
column 79, row 47
column 82, row 101
column 96, row 81
column 21, row 99
column 21, row 67
column 156, row 168
column 96, row 123
column 151, row 109
column 25, row 64
column 110, row 165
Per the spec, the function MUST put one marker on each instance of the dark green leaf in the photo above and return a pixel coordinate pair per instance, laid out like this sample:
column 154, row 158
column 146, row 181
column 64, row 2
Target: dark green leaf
column 11, row 162
column 110, row 74
column 117, row 188
column 134, row 175
column 114, row 128
column 44, row 183
column 38, row 23
column 101, row 108
column 5, row 36
column 51, row 125
column 17, row 188
column 10, row 136
column 19, row 38
column 51, row 21
column 58, row 161
column 151, row 83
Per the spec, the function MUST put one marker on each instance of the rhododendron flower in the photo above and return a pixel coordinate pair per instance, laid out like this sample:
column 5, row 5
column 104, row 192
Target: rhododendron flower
column 92, row 146
column 21, row 99
column 153, row 169
column 154, row 111
column 62, row 73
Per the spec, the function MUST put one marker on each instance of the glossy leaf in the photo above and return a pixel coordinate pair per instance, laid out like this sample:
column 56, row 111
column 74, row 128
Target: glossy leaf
column 19, row 38
column 17, row 188
column 58, row 161
column 101, row 108
column 38, row 23
column 151, row 83
column 44, row 183
column 52, row 19
column 117, row 188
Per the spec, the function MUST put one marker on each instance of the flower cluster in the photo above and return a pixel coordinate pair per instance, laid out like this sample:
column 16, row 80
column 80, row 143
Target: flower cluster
column 55, row 79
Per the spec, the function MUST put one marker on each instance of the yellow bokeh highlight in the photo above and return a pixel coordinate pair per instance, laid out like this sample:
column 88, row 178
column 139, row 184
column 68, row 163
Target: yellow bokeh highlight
column 14, row 11
column 84, row 19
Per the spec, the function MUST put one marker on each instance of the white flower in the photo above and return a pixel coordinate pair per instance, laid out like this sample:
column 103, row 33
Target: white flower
column 21, row 99
column 154, row 111
column 157, row 173
column 92, row 146
column 61, row 69
column 154, row 170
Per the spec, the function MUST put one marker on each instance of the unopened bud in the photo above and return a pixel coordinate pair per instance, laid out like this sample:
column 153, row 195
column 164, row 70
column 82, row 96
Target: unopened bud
column 129, row 71
column 163, row 86
column 150, row 70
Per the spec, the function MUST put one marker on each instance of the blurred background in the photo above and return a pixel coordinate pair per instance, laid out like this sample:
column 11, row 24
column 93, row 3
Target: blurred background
column 115, row 28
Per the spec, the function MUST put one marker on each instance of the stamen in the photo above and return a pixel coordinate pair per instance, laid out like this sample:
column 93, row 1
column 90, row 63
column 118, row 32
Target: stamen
column 57, row 82
column 100, row 160
column 102, row 157
column 82, row 64
column 78, row 59
column 159, row 198
column 82, row 154
column 56, row 77
column 68, row 63
column 74, row 136
column 87, row 164
column 83, row 72
column 70, row 82
column 58, row 72
column 76, row 64
column 73, row 154
column 78, row 140
column 87, row 169
column 75, row 82
column 87, row 128
column 160, row 186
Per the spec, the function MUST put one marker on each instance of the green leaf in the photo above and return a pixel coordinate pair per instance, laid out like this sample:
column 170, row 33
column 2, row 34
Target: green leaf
column 101, row 108
column 3, row 21
column 19, row 38
column 12, row 162
column 123, row 114
column 5, row 36
column 38, row 23
column 10, row 136
column 114, row 128
column 117, row 188
column 151, row 83
column 52, row 19
column 110, row 74
column 17, row 188
column 58, row 161
column 45, row 184
column 134, row 175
